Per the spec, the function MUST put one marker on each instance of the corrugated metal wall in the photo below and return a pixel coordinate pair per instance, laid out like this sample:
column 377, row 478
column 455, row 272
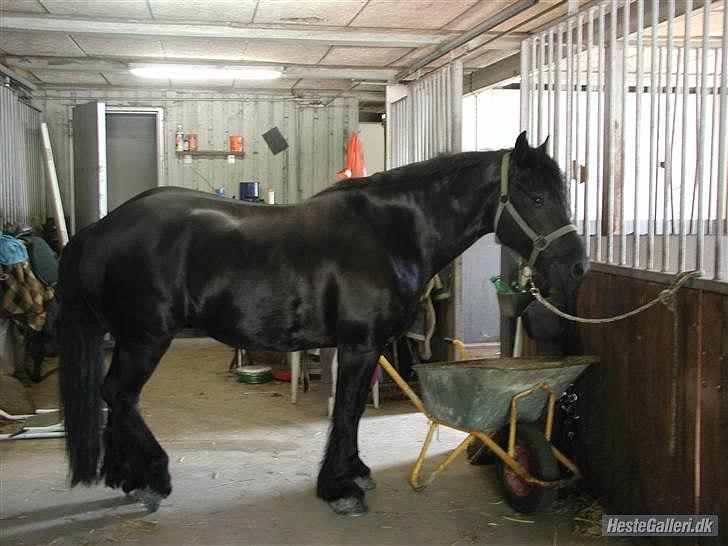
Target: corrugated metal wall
column 22, row 189
column 316, row 137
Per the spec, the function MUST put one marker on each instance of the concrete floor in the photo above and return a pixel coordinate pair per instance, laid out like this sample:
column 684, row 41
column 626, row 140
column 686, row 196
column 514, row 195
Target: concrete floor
column 244, row 462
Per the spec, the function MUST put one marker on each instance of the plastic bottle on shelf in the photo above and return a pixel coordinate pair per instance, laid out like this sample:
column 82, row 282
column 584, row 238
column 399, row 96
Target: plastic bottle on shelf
column 179, row 139
column 500, row 286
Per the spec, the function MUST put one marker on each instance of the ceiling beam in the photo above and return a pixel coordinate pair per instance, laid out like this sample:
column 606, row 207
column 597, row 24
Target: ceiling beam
column 314, row 36
column 122, row 66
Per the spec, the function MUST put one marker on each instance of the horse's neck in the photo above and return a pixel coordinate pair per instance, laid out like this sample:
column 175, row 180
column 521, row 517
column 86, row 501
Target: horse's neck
column 458, row 212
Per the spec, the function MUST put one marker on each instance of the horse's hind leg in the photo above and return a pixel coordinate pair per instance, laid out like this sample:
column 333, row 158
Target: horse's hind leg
column 133, row 459
column 343, row 475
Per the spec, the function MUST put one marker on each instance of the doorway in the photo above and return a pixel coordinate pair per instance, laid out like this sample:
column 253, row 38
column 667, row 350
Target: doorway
column 117, row 154
column 131, row 155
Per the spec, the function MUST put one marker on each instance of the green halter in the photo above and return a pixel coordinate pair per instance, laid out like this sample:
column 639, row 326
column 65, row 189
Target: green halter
column 540, row 242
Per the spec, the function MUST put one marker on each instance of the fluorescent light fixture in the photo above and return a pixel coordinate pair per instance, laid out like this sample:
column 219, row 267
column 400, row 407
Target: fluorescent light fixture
column 196, row 72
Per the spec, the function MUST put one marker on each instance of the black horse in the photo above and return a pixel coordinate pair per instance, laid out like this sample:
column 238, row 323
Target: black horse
column 342, row 269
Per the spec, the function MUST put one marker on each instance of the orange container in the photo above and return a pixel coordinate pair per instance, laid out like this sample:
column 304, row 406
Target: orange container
column 192, row 140
column 236, row 143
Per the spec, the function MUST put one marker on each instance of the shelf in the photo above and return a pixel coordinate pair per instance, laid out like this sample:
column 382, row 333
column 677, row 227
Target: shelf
column 210, row 153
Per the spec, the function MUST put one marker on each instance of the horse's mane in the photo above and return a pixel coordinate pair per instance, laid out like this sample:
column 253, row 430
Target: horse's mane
column 418, row 173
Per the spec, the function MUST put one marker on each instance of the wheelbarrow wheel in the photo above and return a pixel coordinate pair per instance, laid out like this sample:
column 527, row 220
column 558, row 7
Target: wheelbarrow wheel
column 534, row 454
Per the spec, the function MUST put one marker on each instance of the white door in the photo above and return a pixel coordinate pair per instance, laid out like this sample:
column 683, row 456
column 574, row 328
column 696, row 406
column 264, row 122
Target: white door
column 89, row 163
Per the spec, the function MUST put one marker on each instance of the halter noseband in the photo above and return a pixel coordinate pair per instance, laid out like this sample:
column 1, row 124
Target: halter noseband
column 540, row 242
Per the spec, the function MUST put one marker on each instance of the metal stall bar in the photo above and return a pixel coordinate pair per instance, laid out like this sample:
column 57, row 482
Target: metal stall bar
column 721, row 270
column 600, row 133
column 623, row 132
column 569, row 98
column 715, row 112
column 612, row 70
column 576, row 171
column 556, row 132
column 550, row 84
column 654, row 136
column 703, row 174
column 541, row 60
column 668, row 151
column 684, row 149
column 525, row 87
column 587, row 143
column 534, row 106
column 639, row 88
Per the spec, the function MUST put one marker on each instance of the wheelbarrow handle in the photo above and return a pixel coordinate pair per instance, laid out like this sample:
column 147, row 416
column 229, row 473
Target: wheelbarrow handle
column 402, row 384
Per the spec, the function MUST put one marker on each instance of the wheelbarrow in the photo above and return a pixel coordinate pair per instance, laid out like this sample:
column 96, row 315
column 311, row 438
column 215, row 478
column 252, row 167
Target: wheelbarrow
column 498, row 401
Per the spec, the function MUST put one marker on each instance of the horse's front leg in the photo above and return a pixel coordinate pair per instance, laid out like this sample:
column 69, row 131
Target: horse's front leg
column 343, row 475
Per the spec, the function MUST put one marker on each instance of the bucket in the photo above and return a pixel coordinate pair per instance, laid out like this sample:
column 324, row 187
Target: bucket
column 254, row 374
column 249, row 190
column 236, row 143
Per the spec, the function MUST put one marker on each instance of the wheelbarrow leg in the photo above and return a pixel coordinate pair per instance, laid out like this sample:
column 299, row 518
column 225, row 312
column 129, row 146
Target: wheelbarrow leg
column 415, row 477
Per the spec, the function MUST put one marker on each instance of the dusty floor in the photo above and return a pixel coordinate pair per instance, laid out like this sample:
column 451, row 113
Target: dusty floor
column 244, row 462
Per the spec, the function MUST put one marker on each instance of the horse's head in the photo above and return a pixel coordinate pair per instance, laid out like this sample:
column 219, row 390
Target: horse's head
column 532, row 217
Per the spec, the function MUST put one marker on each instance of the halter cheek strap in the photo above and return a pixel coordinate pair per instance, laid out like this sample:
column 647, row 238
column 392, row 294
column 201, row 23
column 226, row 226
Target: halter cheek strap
column 540, row 242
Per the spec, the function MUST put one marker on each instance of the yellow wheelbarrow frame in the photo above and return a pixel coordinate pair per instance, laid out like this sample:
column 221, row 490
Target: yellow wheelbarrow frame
column 506, row 456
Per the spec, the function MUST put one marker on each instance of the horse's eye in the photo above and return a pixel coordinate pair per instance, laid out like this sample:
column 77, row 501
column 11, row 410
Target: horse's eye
column 538, row 201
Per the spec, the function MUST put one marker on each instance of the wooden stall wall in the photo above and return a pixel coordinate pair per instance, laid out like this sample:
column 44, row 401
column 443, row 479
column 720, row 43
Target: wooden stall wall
column 653, row 434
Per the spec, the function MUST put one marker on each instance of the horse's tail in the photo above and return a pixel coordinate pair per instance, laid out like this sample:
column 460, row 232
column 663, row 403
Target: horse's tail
column 81, row 370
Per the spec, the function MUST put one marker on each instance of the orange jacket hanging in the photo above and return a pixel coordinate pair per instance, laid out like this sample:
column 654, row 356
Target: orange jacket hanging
column 354, row 167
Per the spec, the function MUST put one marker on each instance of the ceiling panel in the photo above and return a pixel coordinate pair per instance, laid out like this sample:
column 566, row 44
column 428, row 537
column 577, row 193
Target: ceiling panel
column 322, row 84
column 70, row 76
column 201, row 48
column 24, row 6
column 486, row 57
column 127, row 9
column 284, row 53
column 414, row 56
column 311, row 12
column 119, row 46
column 414, row 14
column 478, row 13
column 364, row 56
column 223, row 11
column 17, row 42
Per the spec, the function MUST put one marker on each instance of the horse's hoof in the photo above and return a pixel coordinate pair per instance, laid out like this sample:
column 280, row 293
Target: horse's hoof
column 149, row 498
column 367, row 483
column 350, row 506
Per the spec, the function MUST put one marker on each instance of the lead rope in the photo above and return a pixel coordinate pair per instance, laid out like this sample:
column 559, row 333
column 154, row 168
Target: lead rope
column 666, row 297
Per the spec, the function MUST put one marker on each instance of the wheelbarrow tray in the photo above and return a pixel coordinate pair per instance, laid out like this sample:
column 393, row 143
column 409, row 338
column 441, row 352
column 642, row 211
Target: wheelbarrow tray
column 476, row 394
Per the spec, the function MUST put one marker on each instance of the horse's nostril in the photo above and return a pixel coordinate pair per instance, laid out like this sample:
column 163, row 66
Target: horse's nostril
column 577, row 270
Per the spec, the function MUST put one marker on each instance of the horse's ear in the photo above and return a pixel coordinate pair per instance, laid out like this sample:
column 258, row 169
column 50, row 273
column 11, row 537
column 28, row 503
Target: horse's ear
column 545, row 144
column 521, row 147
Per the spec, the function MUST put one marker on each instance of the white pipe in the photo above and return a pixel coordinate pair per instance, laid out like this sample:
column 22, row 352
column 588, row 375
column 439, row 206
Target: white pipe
column 53, row 188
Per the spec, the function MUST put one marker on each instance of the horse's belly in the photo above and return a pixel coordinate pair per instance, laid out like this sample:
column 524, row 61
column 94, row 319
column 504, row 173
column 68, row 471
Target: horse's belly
column 264, row 324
